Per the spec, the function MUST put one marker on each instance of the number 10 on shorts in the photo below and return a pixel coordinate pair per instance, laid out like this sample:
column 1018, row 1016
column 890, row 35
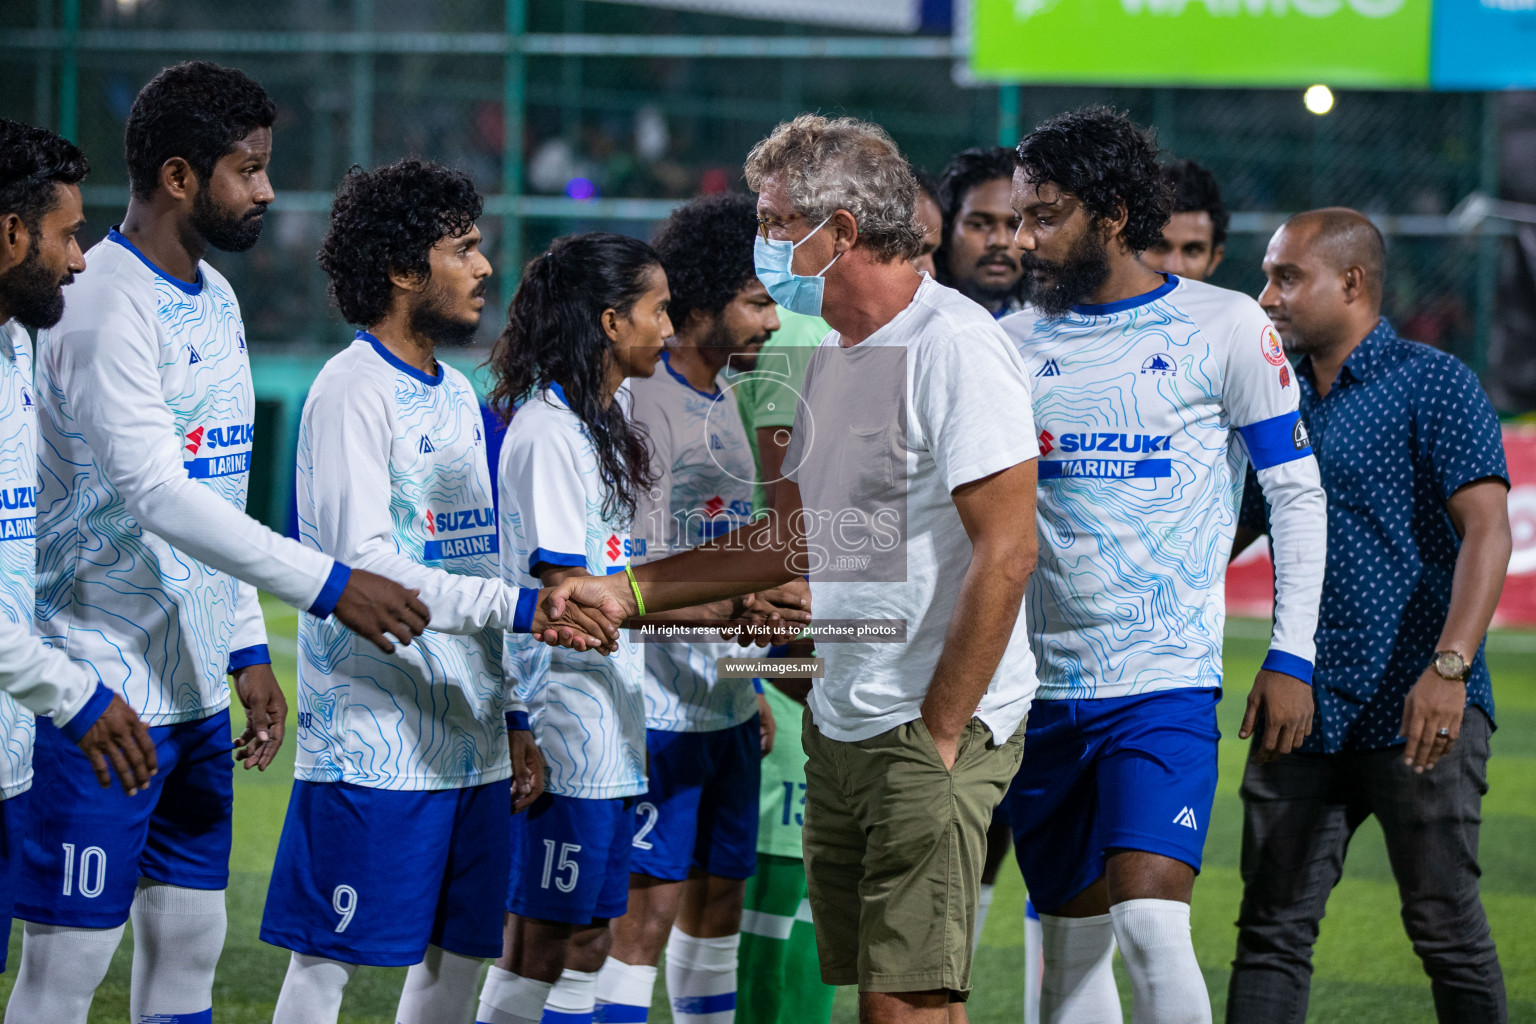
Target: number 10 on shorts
column 565, row 864
column 93, row 870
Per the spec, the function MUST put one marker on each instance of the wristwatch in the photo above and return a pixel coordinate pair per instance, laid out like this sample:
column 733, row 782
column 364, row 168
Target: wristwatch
column 1450, row 665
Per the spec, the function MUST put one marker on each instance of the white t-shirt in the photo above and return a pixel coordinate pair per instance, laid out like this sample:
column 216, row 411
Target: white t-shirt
column 935, row 399
column 146, row 416
column 587, row 709
column 703, row 491
column 33, row 677
column 1141, row 405
column 392, row 478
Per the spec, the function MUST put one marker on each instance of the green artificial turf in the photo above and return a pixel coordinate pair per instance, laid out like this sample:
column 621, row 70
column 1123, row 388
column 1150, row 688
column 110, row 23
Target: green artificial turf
column 1366, row 972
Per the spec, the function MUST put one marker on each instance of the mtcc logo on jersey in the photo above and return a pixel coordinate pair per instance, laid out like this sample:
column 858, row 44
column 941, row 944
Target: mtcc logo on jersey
column 1160, row 365
column 1299, row 439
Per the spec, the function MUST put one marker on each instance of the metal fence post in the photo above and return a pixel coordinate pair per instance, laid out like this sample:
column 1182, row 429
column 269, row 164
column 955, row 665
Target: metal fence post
column 360, row 120
column 69, row 72
column 1008, row 116
column 1487, row 244
column 513, row 87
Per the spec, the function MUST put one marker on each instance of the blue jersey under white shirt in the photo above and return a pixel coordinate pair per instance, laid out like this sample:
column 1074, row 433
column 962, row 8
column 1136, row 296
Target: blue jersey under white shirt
column 705, row 474
column 1148, row 411
column 392, row 478
column 587, row 709
column 33, row 676
column 145, row 417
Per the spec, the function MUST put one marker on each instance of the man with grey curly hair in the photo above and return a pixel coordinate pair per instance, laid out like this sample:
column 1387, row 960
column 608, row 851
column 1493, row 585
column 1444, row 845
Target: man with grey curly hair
column 915, row 412
column 908, row 498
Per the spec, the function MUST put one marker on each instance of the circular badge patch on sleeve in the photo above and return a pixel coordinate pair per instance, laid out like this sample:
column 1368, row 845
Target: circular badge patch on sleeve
column 1269, row 343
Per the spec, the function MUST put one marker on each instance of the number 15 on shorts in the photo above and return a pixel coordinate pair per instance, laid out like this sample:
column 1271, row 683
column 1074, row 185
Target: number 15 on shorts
column 563, row 872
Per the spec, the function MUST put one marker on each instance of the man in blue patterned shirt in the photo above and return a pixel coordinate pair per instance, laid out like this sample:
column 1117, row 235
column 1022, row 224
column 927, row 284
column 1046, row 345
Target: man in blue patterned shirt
column 1413, row 463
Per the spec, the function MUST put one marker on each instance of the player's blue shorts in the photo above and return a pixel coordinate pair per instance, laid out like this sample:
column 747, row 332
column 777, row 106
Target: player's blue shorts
column 701, row 809
column 1131, row 773
column 86, row 847
column 570, row 859
column 13, row 825
column 372, row 876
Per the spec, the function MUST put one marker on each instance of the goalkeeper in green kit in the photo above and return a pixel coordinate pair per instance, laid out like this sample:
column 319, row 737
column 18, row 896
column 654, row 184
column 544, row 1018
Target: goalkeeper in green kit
column 780, row 976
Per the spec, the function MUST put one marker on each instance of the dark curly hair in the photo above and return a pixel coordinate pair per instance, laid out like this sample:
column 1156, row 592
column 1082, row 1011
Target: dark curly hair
column 1100, row 156
column 389, row 219
column 554, row 335
column 965, row 171
column 706, row 250
column 1195, row 189
column 927, row 184
column 34, row 162
column 197, row 111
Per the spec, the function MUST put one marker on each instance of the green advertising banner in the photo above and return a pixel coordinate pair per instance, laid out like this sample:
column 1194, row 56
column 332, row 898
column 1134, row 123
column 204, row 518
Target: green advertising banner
column 1353, row 43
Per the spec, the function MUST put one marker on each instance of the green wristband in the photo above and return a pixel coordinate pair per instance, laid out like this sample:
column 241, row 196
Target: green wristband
column 635, row 586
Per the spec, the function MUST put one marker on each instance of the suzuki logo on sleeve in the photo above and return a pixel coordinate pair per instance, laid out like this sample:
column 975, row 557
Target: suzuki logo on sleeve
column 196, row 440
column 1046, row 437
column 614, row 547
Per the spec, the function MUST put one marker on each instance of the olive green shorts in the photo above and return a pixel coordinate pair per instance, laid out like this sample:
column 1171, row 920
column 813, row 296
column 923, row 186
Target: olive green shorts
column 894, row 845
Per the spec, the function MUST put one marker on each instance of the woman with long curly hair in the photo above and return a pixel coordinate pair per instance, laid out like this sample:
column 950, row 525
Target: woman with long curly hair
column 589, row 313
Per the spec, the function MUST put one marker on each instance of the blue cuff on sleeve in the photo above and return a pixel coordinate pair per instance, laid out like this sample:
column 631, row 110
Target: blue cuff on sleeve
column 248, row 656
column 1276, row 441
column 544, row 556
column 517, row 721
column 757, row 685
column 87, row 716
column 1290, row 664
column 527, row 602
column 778, row 651
column 335, row 583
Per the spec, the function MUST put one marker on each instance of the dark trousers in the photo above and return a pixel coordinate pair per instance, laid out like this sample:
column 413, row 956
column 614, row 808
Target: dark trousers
column 1299, row 813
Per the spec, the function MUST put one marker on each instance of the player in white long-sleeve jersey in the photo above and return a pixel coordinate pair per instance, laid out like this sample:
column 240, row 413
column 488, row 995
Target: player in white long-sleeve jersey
column 392, row 475
column 1151, row 395
column 696, row 829
column 148, row 565
column 589, row 313
column 40, row 213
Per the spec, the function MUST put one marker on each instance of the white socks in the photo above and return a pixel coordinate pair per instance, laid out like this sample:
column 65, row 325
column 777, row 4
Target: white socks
column 1034, row 964
column 60, row 969
column 509, row 998
column 178, row 935
column 572, row 998
column 701, row 978
column 1078, row 984
column 624, row 993
column 440, row 989
column 312, row 990
column 1166, row 984
column 983, row 905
